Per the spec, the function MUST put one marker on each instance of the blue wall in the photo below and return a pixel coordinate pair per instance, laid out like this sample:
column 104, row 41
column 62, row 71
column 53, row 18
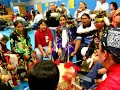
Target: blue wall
column 90, row 4
column 6, row 2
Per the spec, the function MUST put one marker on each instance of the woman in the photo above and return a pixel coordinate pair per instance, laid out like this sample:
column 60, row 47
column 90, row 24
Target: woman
column 65, row 40
column 20, row 44
column 113, row 8
column 81, row 10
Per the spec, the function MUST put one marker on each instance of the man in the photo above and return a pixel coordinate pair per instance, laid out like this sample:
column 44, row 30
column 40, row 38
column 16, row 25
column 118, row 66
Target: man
column 84, row 39
column 102, row 5
column 52, row 22
column 44, row 76
column 94, row 71
column 109, row 54
column 64, row 11
column 37, row 18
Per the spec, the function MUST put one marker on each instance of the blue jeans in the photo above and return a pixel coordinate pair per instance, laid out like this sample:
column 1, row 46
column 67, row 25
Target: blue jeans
column 93, row 75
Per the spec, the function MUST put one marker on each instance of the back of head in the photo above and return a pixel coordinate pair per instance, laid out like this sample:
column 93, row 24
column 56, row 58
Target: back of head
column 5, row 39
column 44, row 76
column 111, row 43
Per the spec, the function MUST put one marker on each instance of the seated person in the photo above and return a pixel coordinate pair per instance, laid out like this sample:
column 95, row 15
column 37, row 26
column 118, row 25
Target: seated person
column 43, row 41
column 18, row 17
column 21, row 45
column 44, row 76
column 65, row 37
column 83, row 39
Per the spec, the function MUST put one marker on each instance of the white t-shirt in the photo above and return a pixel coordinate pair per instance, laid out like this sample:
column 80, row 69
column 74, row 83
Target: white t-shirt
column 102, row 6
column 87, row 11
column 19, row 18
column 37, row 18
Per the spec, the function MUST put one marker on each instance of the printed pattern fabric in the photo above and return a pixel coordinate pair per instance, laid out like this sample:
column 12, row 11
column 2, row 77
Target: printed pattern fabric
column 69, row 47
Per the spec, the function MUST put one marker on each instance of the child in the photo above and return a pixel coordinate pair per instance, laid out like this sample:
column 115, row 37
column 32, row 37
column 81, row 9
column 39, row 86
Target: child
column 43, row 40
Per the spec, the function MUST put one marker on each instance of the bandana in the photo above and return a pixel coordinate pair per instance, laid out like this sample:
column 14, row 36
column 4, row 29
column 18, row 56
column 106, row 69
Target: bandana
column 111, row 41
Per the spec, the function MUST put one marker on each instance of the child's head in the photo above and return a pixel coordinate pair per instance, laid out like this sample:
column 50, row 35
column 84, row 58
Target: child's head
column 5, row 39
column 46, row 74
column 42, row 24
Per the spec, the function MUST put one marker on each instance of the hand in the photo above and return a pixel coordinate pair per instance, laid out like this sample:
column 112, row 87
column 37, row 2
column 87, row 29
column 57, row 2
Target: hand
column 102, row 71
column 59, row 52
column 9, row 52
column 30, row 46
column 73, row 53
column 44, row 55
column 49, row 51
column 6, row 78
column 10, row 67
column 84, row 58
column 27, row 56
column 97, row 81
column 78, row 11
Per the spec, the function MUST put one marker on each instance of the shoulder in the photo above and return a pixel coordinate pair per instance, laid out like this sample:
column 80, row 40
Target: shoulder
column 79, row 28
column 37, row 32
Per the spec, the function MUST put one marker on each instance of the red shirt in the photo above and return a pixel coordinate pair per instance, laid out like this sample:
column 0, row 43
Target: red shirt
column 42, row 37
column 112, row 82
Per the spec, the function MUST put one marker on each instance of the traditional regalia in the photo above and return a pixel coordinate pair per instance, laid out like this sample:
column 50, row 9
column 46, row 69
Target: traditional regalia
column 65, row 40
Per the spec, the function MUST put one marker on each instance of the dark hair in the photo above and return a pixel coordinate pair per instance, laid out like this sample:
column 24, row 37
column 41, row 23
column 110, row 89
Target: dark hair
column 44, row 76
column 51, row 3
column 41, row 21
column 62, row 16
column 87, row 15
column 84, row 4
column 5, row 38
column 115, row 58
column 38, row 13
column 114, row 5
column 17, row 22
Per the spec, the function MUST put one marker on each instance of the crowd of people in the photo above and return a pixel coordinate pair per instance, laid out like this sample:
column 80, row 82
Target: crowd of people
column 91, row 36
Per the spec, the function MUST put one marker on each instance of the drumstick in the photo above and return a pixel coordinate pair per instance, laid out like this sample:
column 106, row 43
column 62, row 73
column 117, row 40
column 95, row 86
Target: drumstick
column 76, row 85
column 77, row 61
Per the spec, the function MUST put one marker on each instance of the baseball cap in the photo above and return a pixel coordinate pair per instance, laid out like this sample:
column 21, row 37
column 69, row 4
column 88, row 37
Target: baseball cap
column 63, row 4
column 111, row 41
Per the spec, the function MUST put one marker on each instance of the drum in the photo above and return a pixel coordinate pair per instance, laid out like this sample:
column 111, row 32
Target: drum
column 68, row 78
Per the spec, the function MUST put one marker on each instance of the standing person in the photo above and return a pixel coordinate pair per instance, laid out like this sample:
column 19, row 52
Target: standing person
column 37, row 18
column 109, row 54
column 113, row 8
column 65, row 36
column 43, row 40
column 52, row 22
column 21, row 44
column 44, row 76
column 101, row 5
column 32, row 12
column 81, row 10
